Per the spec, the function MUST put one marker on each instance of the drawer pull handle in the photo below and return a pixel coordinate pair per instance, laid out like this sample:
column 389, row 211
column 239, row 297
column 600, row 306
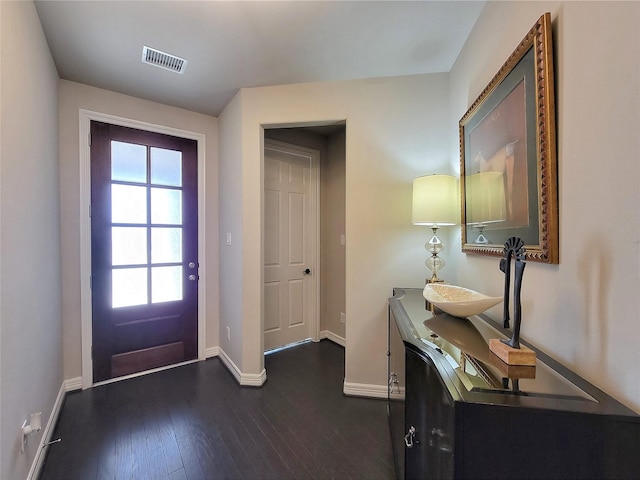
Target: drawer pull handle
column 393, row 380
column 408, row 438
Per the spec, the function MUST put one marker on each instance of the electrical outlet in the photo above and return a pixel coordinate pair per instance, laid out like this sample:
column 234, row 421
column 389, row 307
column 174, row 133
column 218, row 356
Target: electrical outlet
column 343, row 318
column 228, row 333
column 34, row 426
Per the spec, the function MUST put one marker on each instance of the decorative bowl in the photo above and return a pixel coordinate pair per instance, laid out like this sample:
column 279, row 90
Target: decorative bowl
column 458, row 301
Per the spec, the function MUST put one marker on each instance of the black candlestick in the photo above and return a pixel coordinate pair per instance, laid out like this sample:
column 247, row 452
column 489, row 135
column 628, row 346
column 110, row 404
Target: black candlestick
column 513, row 247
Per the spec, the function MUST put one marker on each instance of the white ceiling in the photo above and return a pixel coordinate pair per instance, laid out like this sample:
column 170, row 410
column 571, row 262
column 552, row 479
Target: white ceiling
column 235, row 44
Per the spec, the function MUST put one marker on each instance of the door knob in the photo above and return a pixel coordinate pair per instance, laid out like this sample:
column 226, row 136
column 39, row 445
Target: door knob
column 306, row 271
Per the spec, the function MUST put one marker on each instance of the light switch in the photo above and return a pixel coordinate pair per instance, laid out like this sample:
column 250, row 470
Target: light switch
column 228, row 239
column 343, row 240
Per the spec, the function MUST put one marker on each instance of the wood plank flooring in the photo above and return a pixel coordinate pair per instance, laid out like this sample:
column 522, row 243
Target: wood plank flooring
column 195, row 422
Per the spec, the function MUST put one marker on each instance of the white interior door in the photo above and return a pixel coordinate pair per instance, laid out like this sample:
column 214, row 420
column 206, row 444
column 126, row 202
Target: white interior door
column 290, row 245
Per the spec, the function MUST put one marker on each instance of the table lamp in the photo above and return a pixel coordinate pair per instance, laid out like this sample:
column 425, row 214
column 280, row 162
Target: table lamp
column 435, row 203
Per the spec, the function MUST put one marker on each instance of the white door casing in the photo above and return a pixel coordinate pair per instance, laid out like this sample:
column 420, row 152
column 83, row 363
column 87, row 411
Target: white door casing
column 85, row 118
column 291, row 296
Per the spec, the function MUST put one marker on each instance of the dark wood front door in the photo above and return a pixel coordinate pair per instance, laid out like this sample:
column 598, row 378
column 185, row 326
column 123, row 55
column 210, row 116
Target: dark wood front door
column 144, row 265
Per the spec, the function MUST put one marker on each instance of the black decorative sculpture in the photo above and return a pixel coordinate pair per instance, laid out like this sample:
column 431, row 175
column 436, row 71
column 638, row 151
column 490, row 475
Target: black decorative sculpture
column 513, row 247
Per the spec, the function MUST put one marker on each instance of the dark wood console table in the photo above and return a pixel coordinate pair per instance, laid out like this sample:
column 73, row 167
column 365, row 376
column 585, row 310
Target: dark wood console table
column 457, row 411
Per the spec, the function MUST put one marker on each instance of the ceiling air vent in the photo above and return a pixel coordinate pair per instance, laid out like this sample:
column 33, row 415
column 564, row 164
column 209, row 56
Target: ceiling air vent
column 163, row 60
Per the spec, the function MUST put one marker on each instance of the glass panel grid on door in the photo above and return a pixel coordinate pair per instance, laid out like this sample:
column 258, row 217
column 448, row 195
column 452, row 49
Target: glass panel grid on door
column 144, row 244
column 146, row 225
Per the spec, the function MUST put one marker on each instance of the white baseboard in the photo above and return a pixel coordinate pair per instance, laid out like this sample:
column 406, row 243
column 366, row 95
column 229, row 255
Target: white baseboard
column 333, row 337
column 253, row 379
column 232, row 367
column 398, row 395
column 364, row 390
column 244, row 379
column 72, row 384
column 38, row 460
column 211, row 352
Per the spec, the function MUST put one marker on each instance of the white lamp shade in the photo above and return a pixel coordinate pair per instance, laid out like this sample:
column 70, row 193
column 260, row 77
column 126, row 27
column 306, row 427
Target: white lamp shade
column 485, row 197
column 435, row 200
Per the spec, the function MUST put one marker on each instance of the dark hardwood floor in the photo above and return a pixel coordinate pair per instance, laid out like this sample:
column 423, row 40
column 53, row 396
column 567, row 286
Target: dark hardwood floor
column 196, row 422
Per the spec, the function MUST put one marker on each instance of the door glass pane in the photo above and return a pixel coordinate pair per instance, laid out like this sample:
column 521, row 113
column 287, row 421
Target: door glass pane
column 166, row 206
column 166, row 245
column 128, row 287
column 166, row 284
column 128, row 245
column 166, row 167
column 128, row 204
column 128, row 162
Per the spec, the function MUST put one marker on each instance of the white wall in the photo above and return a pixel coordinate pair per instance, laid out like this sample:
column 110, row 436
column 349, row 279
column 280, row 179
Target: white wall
column 230, row 210
column 332, row 253
column 395, row 131
column 30, row 304
column 72, row 98
column 584, row 311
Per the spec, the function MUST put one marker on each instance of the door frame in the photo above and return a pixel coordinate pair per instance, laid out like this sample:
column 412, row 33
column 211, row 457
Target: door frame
column 86, row 320
column 315, row 225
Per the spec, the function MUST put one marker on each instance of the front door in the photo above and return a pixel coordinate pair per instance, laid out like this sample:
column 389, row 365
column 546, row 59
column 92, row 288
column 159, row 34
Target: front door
column 144, row 265
column 289, row 255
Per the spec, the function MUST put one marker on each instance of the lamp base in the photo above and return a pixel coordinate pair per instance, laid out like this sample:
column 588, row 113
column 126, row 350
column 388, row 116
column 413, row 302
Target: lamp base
column 481, row 240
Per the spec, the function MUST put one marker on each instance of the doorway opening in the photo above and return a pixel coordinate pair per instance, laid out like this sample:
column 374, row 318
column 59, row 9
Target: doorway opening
column 87, row 379
column 328, row 273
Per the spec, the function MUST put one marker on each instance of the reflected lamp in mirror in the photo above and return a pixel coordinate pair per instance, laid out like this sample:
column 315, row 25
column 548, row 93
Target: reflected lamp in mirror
column 435, row 203
column 485, row 194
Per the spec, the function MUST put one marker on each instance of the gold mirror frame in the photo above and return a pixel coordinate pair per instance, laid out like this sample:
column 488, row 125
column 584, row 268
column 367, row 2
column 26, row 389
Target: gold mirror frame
column 520, row 99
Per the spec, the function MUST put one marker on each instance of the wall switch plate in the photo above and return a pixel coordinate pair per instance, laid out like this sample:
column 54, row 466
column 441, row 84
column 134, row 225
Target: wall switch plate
column 343, row 318
column 228, row 333
column 228, row 241
column 343, row 240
